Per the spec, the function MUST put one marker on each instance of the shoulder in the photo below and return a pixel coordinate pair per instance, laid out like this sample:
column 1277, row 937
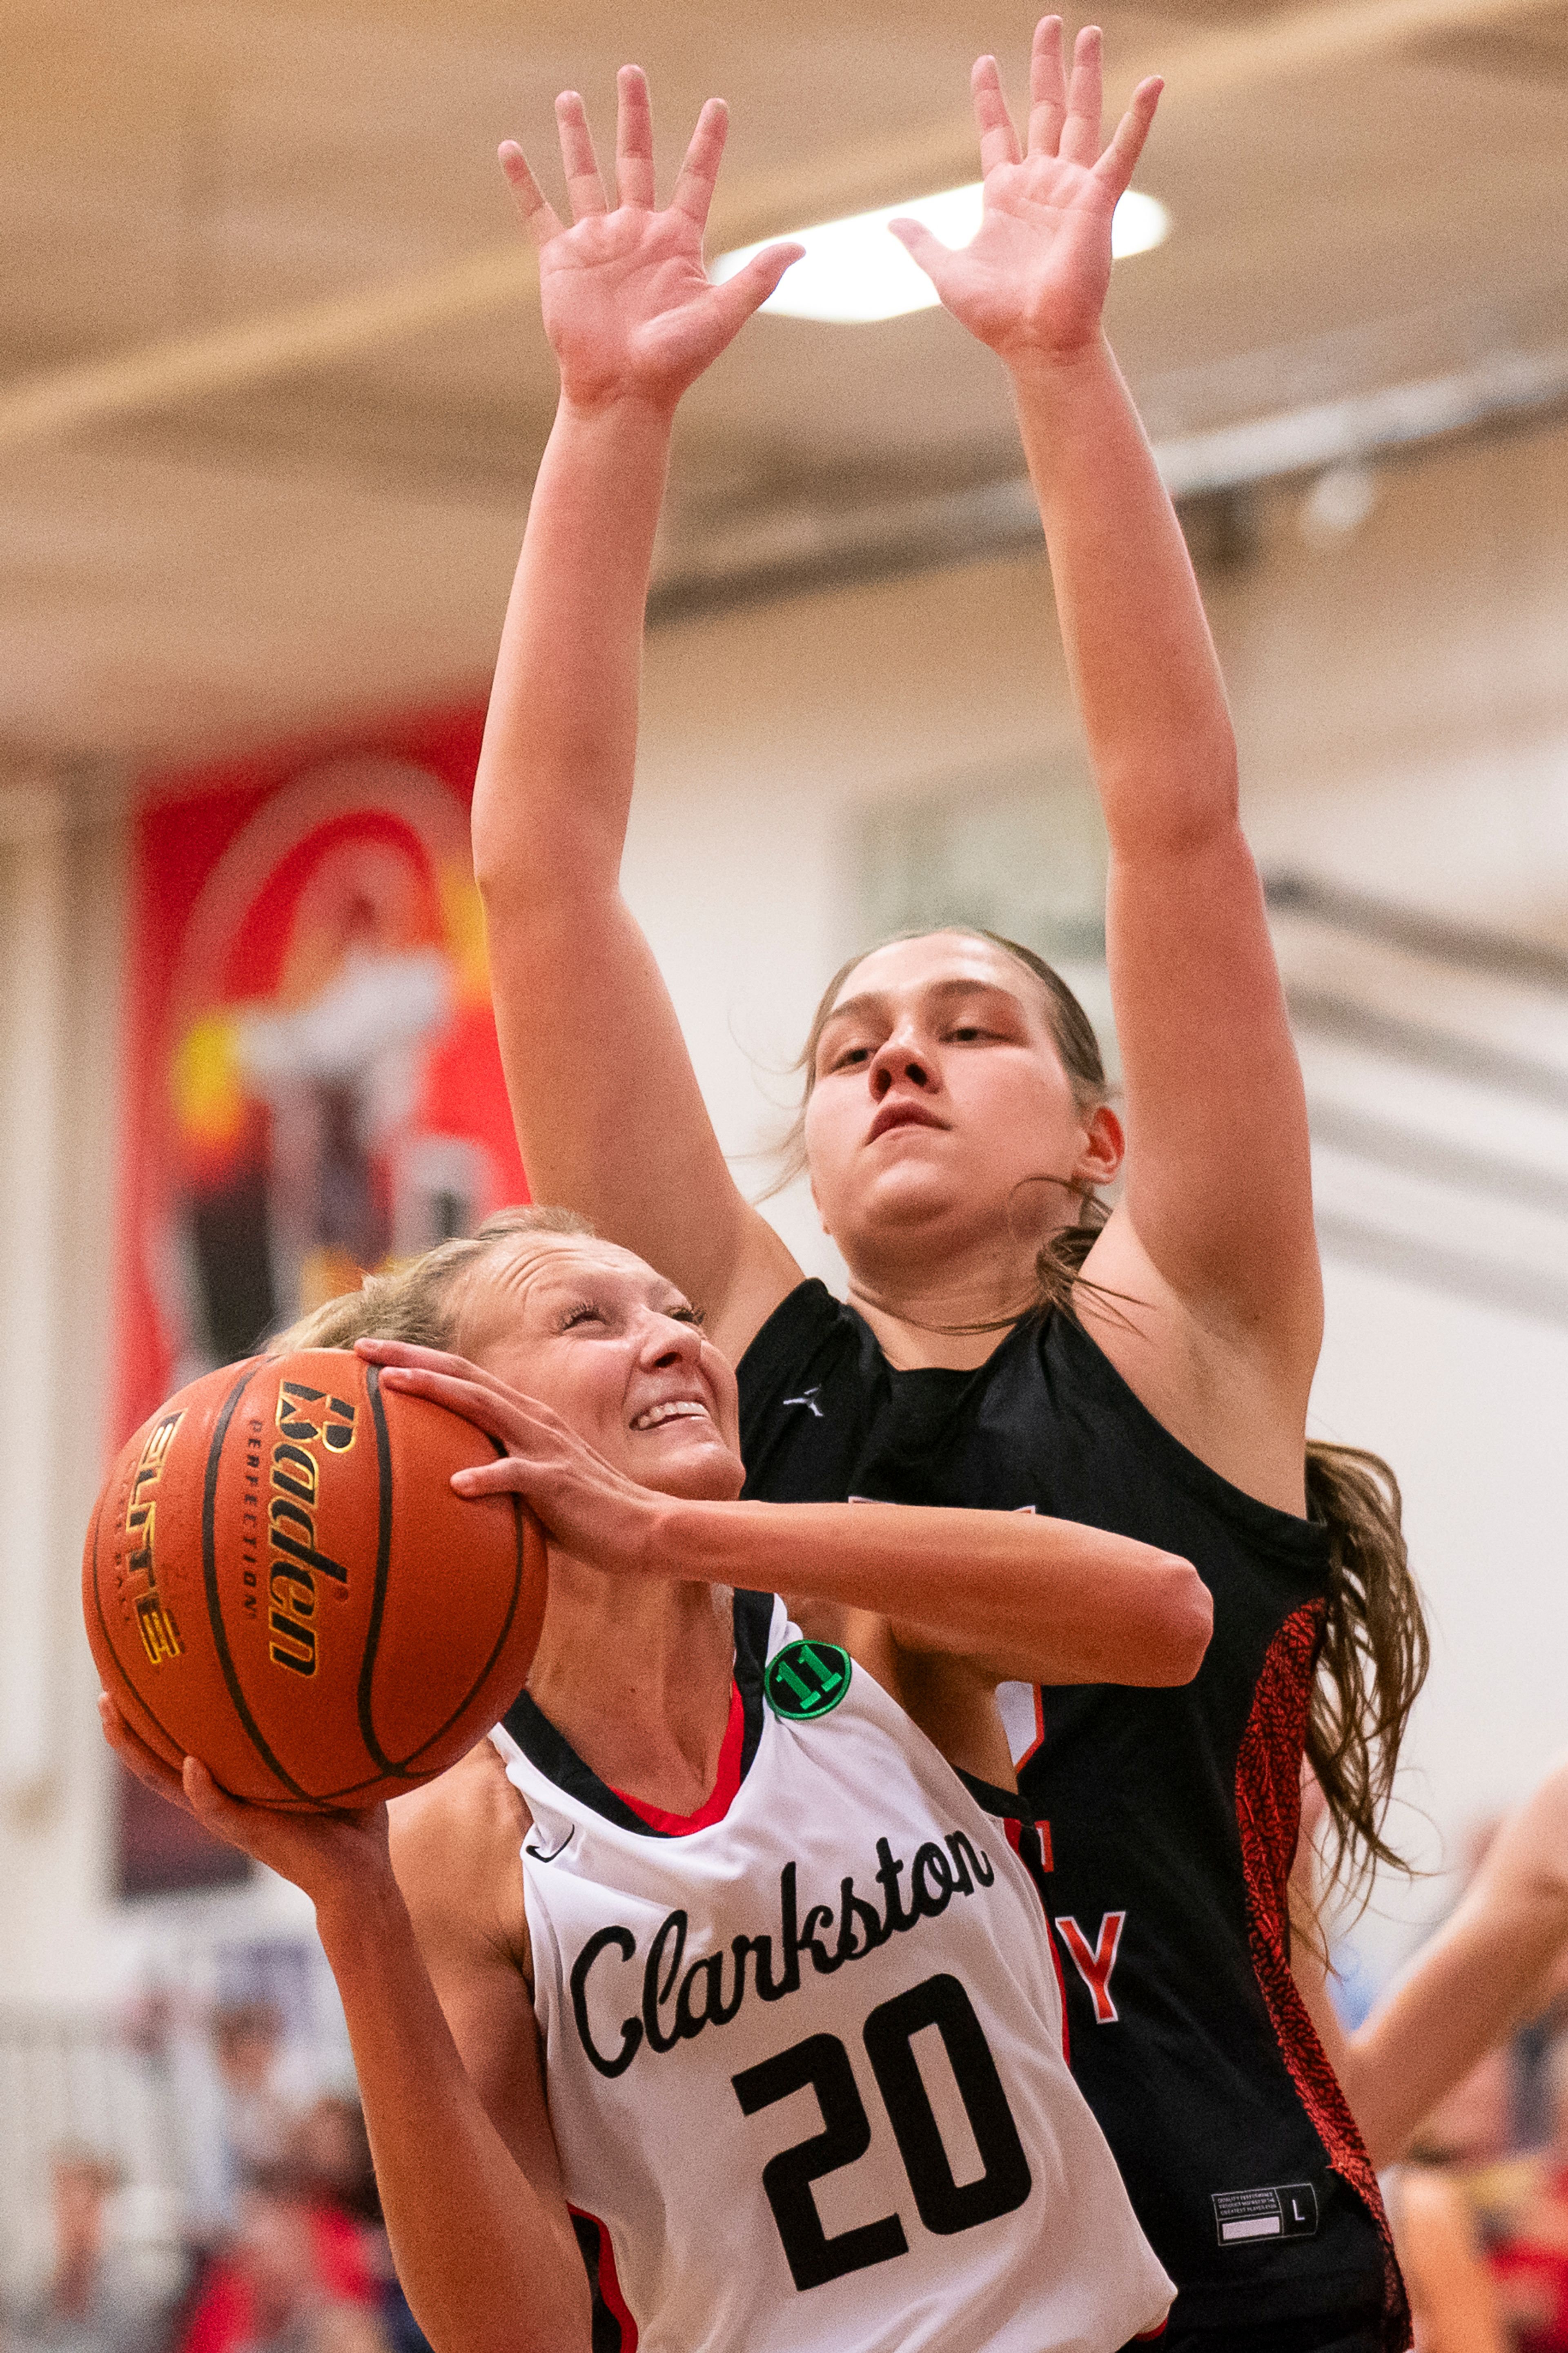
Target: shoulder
column 454, row 1851
column 807, row 1322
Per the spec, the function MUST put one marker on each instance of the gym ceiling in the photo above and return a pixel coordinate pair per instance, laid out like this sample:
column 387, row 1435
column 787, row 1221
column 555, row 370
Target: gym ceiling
column 272, row 385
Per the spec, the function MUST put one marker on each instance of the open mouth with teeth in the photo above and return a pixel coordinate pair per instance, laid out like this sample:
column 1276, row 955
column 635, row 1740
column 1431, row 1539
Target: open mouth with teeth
column 674, row 1410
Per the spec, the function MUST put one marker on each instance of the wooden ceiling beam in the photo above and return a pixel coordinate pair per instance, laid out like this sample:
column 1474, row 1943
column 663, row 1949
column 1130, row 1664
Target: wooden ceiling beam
column 160, row 376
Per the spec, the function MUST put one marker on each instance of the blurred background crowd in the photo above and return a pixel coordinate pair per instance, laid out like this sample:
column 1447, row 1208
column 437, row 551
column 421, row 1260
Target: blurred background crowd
column 255, row 2225
column 215, row 2191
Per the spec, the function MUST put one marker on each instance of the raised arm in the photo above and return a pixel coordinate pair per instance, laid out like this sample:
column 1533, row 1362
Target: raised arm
column 1489, row 1969
column 475, row 2210
column 1014, row 1596
column 608, row 1112
column 1217, row 1214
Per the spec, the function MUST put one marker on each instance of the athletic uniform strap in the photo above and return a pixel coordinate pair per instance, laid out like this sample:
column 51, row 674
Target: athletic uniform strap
column 540, row 1742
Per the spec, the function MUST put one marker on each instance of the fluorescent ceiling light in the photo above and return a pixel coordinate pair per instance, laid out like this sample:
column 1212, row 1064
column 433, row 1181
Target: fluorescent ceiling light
column 853, row 270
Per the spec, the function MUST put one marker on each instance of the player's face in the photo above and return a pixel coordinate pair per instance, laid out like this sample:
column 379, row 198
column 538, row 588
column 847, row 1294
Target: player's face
column 615, row 1351
column 939, row 1092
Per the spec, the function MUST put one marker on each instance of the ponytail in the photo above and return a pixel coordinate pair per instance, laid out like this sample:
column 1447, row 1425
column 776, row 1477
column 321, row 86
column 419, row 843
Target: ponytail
column 1372, row 1660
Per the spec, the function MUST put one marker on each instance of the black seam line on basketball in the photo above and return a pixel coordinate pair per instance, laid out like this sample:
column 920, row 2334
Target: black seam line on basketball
column 209, row 1578
column 378, row 1602
column 178, row 1746
column 477, row 1683
column 383, row 1565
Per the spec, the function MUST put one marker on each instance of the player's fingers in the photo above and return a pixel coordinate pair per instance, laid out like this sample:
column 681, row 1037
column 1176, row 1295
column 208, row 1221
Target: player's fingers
column 749, row 288
column 634, row 139
column 495, row 1413
column 693, row 192
column 581, row 165
column 1080, row 132
column 404, row 1355
column 998, row 140
column 134, row 1754
column 539, row 218
column 1119, row 161
column 508, row 1476
column 249, row 1827
column 1047, row 88
column 211, row 1805
column 923, row 246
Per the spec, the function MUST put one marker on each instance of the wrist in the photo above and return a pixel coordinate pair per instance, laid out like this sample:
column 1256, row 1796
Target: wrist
column 1060, row 370
column 360, row 1911
column 680, row 1540
column 618, row 408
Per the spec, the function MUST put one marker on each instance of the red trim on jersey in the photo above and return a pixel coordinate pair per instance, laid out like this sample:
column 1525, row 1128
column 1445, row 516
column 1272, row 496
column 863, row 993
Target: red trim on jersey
column 719, row 1798
column 1013, row 1831
column 1268, row 1817
column 615, row 2303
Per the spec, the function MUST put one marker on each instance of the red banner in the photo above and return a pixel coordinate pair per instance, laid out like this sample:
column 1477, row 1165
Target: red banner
column 312, row 1083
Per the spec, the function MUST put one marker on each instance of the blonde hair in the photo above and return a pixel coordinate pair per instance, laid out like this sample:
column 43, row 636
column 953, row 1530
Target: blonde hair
column 421, row 1301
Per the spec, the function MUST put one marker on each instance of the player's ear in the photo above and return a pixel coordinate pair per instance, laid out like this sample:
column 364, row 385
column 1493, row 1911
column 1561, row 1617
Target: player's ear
column 1105, row 1147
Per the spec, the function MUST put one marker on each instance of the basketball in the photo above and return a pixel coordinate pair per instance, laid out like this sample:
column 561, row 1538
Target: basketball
column 280, row 1580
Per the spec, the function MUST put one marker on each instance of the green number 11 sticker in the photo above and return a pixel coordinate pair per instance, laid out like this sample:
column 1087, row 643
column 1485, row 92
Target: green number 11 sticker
column 805, row 1679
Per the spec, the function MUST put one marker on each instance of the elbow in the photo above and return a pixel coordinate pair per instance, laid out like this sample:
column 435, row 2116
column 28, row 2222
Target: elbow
column 1184, row 1622
column 502, row 871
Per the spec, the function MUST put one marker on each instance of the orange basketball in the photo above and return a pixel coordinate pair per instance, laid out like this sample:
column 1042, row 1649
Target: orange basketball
column 279, row 1580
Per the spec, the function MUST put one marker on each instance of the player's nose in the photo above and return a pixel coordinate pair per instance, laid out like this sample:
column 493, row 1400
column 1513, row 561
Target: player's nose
column 902, row 1056
column 667, row 1340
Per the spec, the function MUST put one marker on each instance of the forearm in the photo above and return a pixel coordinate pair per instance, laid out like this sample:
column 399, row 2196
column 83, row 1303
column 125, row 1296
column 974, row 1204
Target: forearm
column 1486, row 1971
column 1045, row 1601
column 556, row 772
column 1142, row 663
column 486, row 2262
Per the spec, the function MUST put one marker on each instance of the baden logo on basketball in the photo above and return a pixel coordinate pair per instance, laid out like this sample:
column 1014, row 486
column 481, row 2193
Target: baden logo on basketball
column 326, row 1620
column 307, row 1418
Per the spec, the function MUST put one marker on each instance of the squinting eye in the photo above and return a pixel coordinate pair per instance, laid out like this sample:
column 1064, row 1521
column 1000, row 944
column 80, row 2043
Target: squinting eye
column 849, row 1058
column 585, row 1312
column 688, row 1316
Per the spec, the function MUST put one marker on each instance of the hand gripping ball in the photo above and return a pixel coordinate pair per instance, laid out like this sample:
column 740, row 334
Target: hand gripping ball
column 279, row 1580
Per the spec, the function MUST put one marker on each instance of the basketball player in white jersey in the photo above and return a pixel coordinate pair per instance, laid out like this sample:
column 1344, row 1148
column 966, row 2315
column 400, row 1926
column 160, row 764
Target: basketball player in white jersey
column 766, row 2025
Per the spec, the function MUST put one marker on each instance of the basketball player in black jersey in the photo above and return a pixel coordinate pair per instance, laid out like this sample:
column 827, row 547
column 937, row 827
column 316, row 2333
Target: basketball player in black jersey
column 1006, row 1345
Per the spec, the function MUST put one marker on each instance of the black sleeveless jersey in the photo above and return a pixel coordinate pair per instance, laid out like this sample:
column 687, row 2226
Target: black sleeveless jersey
column 1168, row 1819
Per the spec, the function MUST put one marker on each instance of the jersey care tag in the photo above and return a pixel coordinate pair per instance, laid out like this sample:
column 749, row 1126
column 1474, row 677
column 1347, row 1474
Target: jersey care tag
column 1290, row 2212
column 805, row 1679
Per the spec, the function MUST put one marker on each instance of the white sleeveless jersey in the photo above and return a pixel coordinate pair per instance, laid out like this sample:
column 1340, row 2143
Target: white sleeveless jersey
column 804, row 2064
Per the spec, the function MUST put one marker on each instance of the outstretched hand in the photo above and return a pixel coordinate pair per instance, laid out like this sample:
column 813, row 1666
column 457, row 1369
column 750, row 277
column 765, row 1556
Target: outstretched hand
column 627, row 304
column 331, row 1855
column 589, row 1508
column 1032, row 282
